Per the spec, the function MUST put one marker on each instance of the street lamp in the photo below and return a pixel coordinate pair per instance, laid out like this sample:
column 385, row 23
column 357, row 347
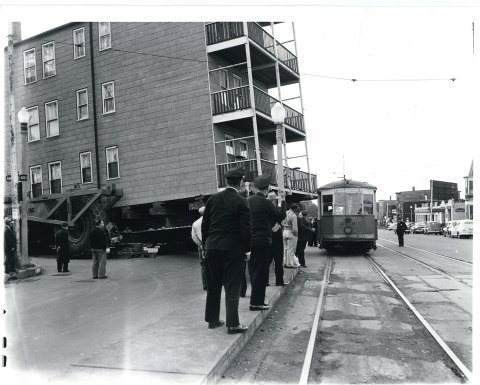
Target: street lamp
column 411, row 213
column 23, row 118
column 278, row 116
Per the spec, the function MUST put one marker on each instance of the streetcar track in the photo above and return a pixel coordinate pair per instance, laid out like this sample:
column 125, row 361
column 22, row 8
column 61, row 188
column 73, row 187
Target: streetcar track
column 426, row 265
column 464, row 371
column 430, row 252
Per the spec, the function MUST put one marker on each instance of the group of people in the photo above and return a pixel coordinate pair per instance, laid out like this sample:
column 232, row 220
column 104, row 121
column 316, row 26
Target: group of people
column 99, row 241
column 239, row 230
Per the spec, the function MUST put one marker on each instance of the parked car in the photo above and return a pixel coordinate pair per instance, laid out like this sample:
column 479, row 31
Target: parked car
column 432, row 227
column 409, row 226
column 392, row 226
column 463, row 228
column 418, row 227
column 447, row 230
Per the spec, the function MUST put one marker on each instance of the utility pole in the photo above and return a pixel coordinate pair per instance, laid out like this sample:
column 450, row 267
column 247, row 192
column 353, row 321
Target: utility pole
column 19, row 214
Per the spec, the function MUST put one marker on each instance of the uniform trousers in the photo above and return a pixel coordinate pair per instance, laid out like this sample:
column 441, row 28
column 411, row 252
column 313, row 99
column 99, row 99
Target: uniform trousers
column 99, row 267
column 258, row 267
column 224, row 267
column 276, row 255
column 301, row 244
column 400, row 238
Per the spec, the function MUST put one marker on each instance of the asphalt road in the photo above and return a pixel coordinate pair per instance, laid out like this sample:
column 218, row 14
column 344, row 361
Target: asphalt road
column 366, row 333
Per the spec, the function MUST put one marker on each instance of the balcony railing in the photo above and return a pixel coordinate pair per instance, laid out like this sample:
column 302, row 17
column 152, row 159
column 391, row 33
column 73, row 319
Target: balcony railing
column 224, row 31
column 264, row 103
column 234, row 99
column 294, row 179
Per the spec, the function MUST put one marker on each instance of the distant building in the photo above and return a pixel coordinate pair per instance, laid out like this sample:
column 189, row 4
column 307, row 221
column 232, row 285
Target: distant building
column 469, row 194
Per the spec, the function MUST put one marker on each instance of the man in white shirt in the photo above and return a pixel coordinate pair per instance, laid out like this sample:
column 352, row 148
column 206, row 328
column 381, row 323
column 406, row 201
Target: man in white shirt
column 197, row 238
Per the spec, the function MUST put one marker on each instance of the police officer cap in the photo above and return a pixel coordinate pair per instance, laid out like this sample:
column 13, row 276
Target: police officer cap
column 235, row 173
column 262, row 181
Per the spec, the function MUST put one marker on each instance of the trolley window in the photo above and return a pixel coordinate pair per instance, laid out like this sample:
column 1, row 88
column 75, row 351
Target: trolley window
column 368, row 203
column 327, row 204
column 348, row 203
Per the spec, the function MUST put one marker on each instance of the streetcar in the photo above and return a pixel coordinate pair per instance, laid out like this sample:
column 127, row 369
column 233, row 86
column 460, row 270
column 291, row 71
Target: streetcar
column 347, row 215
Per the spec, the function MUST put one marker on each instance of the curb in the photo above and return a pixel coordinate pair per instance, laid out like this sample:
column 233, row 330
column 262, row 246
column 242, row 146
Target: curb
column 30, row 271
column 242, row 340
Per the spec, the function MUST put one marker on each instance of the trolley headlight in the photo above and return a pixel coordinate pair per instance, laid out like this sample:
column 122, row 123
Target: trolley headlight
column 347, row 230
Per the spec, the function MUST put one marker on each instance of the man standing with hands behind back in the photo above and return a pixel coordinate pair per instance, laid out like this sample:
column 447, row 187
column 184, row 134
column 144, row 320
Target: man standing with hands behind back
column 226, row 238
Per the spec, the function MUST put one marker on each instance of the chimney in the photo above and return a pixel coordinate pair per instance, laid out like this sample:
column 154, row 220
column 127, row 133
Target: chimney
column 413, row 188
column 15, row 29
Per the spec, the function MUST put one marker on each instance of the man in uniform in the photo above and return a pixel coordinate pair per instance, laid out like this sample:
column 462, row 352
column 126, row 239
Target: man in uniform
column 264, row 216
column 401, row 227
column 63, row 248
column 276, row 250
column 304, row 232
column 226, row 238
column 9, row 246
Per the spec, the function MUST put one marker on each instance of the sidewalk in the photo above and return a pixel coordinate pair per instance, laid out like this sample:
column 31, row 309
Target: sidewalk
column 156, row 334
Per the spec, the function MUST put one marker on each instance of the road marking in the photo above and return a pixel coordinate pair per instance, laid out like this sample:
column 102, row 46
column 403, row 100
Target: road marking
column 313, row 333
column 430, row 252
column 466, row 372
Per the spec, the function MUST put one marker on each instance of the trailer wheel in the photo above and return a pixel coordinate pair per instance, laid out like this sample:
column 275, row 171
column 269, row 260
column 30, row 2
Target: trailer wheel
column 79, row 236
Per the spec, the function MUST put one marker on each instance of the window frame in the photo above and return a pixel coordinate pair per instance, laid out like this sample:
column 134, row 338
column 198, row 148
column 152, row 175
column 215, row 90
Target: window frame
column 29, row 127
column 246, row 149
column 47, row 130
column 25, row 67
column 230, row 139
column 226, row 78
column 31, row 179
column 43, row 60
column 118, row 162
column 81, row 168
column 103, row 98
column 100, row 36
column 82, row 44
column 79, row 118
column 50, row 164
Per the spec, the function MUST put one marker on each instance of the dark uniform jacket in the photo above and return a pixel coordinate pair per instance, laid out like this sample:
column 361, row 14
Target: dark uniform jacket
column 9, row 242
column 98, row 240
column 63, row 247
column 264, row 216
column 401, row 227
column 304, row 229
column 226, row 223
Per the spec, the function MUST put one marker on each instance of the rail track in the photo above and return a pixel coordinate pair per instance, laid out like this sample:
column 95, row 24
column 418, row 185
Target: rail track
column 461, row 371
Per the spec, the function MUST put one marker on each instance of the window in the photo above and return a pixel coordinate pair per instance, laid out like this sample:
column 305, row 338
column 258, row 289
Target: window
column 230, row 148
column 55, row 177
column 108, row 97
column 347, row 203
column 78, row 43
column 29, row 66
column 48, row 58
column 327, row 204
column 243, row 149
column 104, row 36
column 368, row 203
column 113, row 168
column 82, row 104
column 51, row 119
column 36, row 184
column 86, row 166
column 33, row 132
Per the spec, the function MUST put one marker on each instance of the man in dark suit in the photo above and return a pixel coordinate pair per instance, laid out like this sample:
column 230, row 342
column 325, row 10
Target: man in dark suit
column 264, row 216
column 226, row 238
column 63, row 248
column 276, row 250
column 9, row 247
column 304, row 232
column 401, row 227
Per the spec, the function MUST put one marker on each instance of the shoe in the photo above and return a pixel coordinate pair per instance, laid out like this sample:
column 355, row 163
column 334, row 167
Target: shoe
column 259, row 307
column 95, row 277
column 281, row 284
column 237, row 329
column 105, row 276
column 213, row 325
column 290, row 267
column 66, row 271
column 304, row 265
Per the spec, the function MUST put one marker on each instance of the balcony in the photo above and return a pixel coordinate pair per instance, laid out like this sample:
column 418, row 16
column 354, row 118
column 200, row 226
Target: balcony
column 224, row 31
column 237, row 99
column 294, row 179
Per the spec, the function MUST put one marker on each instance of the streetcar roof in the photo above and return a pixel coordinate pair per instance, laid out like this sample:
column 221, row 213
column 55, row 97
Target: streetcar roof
column 346, row 183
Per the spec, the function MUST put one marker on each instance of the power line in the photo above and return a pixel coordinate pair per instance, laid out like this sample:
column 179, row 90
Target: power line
column 353, row 80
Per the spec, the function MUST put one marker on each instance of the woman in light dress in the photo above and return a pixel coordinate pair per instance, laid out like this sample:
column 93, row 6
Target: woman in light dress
column 290, row 237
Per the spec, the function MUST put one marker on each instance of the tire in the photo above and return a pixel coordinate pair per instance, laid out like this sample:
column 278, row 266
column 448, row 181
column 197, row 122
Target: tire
column 79, row 236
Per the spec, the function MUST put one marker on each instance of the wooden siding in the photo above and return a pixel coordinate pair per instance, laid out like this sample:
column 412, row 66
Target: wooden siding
column 162, row 123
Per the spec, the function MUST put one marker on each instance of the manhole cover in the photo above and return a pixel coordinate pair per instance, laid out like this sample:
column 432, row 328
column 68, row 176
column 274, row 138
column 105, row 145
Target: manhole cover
column 84, row 281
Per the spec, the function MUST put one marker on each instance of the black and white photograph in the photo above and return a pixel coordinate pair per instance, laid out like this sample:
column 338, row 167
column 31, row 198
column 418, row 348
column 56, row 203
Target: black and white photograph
column 257, row 192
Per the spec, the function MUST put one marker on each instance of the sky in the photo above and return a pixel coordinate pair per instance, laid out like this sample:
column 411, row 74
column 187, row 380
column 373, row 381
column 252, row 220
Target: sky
column 402, row 122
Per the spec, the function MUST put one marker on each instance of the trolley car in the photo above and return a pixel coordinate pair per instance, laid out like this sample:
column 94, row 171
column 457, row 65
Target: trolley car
column 347, row 215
